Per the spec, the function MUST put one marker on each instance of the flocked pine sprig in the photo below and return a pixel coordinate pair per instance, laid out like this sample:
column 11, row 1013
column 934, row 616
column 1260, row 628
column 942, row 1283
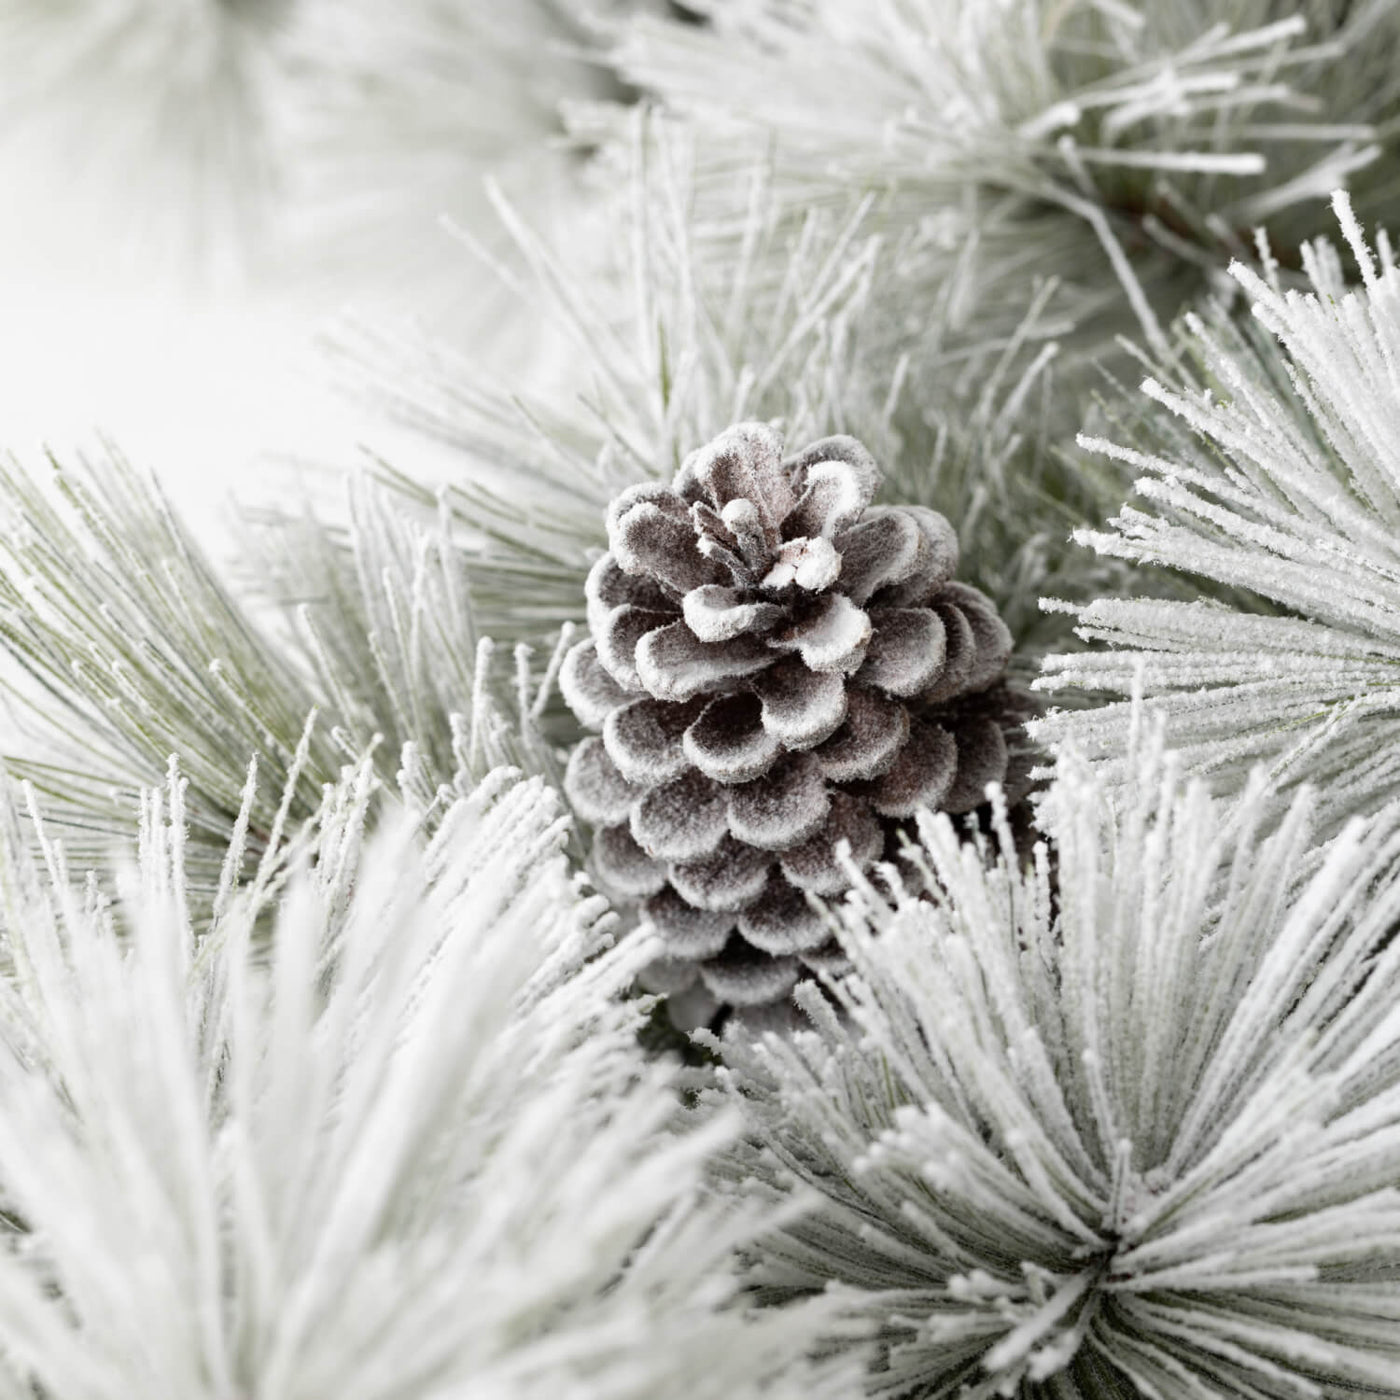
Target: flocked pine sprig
column 775, row 666
column 1126, row 150
column 122, row 645
column 1271, row 468
column 411, row 1152
column 385, row 616
column 1130, row 1128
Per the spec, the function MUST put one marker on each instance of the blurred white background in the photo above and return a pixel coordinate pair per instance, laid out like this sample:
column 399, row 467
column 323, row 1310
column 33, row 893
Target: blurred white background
column 207, row 393
column 194, row 190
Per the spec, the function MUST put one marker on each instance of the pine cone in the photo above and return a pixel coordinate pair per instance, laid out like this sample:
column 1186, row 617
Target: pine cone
column 775, row 666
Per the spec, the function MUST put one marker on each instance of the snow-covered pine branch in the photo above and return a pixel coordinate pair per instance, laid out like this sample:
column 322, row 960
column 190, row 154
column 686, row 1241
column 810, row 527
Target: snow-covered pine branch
column 1124, row 150
column 405, row 1148
column 1273, row 469
column 1121, row 1121
column 121, row 644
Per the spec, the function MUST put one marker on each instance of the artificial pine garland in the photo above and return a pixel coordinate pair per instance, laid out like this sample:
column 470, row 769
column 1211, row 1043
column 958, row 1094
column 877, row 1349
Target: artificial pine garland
column 320, row 1071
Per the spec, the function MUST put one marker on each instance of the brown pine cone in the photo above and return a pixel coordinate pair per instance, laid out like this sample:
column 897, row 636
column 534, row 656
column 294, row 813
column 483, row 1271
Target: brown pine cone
column 775, row 665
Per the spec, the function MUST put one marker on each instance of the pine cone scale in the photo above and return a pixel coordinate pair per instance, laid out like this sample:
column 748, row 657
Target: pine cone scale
column 644, row 738
column 783, row 807
column 815, row 866
column 624, row 866
column 831, row 638
column 908, row 652
column 689, row 934
column 801, row 708
column 921, row 776
column 618, row 638
column 743, row 464
column 725, row 882
column 781, row 922
column 592, row 691
column 595, row 786
column 684, row 819
column 743, row 976
column 880, row 551
column 992, row 639
column 982, row 750
column 609, row 586
column 960, row 655
column 715, row 613
column 652, row 541
column 868, row 740
column 729, row 742
column 674, row 664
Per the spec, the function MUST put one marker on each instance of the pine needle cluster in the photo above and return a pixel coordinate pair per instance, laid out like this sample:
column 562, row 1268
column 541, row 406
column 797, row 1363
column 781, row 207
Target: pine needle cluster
column 1125, row 151
column 125, row 647
column 283, row 1156
column 1119, row 1121
column 1272, row 472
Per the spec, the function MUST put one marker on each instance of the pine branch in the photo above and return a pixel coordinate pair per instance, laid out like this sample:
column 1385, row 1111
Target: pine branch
column 126, row 648
column 1271, row 470
column 411, row 1151
column 1126, row 150
column 387, row 618
column 1121, row 1121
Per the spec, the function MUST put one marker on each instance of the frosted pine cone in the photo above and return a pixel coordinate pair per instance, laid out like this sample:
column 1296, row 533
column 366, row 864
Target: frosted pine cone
column 775, row 666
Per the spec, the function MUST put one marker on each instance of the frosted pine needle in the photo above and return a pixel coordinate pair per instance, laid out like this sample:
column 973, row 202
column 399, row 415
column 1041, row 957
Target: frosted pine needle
column 1131, row 1130
column 718, row 310
column 386, row 618
column 1274, row 470
column 1124, row 149
column 409, row 1151
column 122, row 644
